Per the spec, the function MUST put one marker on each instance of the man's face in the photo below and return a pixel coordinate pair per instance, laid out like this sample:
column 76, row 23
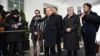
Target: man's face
column 49, row 11
column 37, row 13
column 70, row 11
column 85, row 9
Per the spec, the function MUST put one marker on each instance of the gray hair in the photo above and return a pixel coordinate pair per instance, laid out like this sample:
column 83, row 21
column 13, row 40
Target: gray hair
column 71, row 8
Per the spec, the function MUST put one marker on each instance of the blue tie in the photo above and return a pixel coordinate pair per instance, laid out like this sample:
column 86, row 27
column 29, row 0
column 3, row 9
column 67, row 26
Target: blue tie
column 47, row 18
column 46, row 21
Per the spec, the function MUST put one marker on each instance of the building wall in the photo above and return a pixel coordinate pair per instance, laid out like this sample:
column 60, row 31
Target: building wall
column 31, row 5
column 96, row 9
column 4, row 3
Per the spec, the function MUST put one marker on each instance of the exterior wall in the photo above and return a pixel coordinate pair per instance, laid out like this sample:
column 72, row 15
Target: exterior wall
column 4, row 3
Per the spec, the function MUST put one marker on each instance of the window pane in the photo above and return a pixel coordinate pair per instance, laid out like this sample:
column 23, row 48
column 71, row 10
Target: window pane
column 10, row 9
column 11, row 0
column 22, row 6
column 22, row 1
column 16, row 0
column 10, row 5
column 16, row 5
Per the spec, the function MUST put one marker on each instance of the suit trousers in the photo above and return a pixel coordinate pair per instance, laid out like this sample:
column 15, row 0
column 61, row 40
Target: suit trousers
column 14, row 47
column 51, row 49
column 89, row 44
column 3, row 45
column 59, row 46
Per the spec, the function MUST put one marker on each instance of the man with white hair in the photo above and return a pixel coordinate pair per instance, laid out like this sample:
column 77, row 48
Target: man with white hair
column 71, row 23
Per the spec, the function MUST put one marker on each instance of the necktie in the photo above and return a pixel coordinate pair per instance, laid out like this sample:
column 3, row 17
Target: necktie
column 47, row 18
column 46, row 21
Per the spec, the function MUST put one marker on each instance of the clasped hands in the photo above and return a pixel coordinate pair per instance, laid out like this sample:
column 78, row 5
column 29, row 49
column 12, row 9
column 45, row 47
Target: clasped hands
column 68, row 29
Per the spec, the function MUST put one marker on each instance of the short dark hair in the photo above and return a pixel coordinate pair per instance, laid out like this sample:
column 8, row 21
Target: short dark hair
column 55, row 8
column 37, row 10
column 88, row 4
column 1, row 7
column 14, row 12
column 49, row 8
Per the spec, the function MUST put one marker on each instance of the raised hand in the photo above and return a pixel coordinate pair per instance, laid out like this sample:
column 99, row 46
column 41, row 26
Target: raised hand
column 82, row 15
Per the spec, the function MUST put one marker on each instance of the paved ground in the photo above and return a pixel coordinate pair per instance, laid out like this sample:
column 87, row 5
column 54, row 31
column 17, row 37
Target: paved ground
column 64, row 53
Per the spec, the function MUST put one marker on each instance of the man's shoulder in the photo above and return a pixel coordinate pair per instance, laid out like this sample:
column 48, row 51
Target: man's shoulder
column 58, row 15
column 93, row 13
column 33, row 17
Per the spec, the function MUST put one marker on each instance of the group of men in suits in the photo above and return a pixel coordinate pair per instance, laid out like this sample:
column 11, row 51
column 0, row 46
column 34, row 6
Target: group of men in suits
column 53, row 30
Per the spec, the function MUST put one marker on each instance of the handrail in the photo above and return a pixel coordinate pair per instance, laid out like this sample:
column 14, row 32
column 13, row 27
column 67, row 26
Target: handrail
column 14, row 31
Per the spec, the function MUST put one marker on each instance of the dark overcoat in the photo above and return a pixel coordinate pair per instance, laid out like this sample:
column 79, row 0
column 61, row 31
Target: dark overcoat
column 35, row 26
column 51, row 29
column 13, row 36
column 89, row 28
column 71, row 40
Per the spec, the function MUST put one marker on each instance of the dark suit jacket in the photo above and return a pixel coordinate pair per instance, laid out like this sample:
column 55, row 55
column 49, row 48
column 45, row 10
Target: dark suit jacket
column 88, row 27
column 13, row 36
column 71, row 38
column 51, row 30
column 92, row 19
column 35, row 26
column 60, row 29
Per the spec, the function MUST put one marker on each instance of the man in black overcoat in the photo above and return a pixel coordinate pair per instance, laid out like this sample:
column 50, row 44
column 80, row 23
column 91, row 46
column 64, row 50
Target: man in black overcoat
column 58, row 42
column 89, row 32
column 50, row 31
